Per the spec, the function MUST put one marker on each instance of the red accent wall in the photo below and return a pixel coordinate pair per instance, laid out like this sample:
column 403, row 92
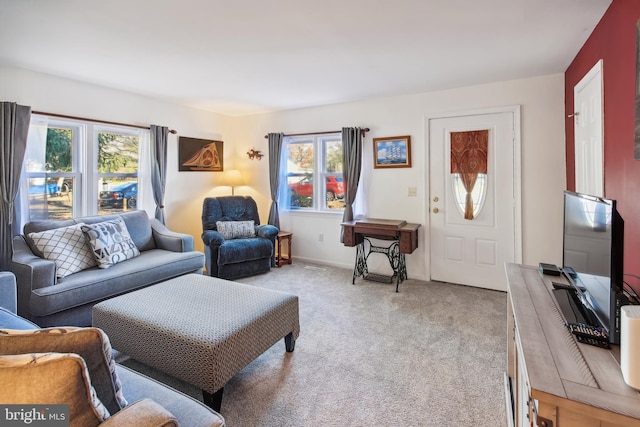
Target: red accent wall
column 614, row 41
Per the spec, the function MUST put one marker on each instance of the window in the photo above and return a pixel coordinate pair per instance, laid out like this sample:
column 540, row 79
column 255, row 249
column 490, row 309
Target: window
column 478, row 193
column 312, row 170
column 77, row 168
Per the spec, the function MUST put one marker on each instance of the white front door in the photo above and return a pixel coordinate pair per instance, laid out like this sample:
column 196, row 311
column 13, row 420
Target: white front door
column 473, row 251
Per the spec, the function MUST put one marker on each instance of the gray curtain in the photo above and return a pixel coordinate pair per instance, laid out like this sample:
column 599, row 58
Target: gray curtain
column 14, row 127
column 159, row 136
column 351, row 167
column 275, row 149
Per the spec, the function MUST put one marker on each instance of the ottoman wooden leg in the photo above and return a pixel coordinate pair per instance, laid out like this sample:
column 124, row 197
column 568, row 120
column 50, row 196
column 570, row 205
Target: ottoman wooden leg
column 213, row 401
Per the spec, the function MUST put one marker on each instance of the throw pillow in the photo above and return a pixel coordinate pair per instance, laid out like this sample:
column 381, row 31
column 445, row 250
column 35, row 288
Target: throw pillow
column 92, row 344
column 111, row 242
column 52, row 378
column 67, row 247
column 236, row 229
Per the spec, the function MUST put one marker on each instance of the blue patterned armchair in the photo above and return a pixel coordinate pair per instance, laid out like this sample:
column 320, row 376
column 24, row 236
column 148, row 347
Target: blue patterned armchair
column 235, row 244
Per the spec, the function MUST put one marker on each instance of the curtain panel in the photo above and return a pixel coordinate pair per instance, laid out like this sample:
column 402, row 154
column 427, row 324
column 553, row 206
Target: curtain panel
column 14, row 128
column 275, row 150
column 351, row 168
column 469, row 158
column 159, row 136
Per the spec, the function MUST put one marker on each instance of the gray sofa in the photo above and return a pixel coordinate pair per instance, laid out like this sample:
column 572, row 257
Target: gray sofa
column 49, row 301
column 151, row 404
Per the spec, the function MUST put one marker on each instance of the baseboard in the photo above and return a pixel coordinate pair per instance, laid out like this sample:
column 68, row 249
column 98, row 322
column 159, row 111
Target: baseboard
column 341, row 265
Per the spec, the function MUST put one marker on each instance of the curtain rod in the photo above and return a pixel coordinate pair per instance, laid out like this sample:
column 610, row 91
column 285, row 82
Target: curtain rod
column 363, row 131
column 63, row 116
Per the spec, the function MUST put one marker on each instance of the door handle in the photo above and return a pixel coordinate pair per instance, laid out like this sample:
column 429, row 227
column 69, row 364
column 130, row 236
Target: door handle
column 436, row 210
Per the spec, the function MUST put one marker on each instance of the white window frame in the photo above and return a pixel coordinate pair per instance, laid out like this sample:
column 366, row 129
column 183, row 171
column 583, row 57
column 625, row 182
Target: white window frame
column 85, row 161
column 319, row 142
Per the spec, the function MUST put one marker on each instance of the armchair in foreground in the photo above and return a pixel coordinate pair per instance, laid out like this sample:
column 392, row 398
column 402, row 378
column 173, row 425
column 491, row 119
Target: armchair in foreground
column 235, row 244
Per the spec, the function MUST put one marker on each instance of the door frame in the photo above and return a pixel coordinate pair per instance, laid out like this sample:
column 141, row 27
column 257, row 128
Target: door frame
column 517, row 174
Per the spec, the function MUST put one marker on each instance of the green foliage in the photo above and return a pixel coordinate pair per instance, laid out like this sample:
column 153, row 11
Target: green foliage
column 58, row 153
column 117, row 153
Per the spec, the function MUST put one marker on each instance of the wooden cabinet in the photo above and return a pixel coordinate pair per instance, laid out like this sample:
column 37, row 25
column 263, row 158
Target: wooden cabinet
column 556, row 381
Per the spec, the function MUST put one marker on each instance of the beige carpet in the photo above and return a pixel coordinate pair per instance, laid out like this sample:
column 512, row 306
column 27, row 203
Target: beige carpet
column 433, row 354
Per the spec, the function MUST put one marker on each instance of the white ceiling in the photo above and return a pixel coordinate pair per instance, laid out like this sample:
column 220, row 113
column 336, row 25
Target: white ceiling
column 248, row 56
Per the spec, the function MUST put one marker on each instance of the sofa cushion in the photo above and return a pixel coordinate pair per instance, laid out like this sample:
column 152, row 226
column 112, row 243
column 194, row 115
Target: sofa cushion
column 138, row 225
column 189, row 411
column 49, row 379
column 43, row 225
column 236, row 229
column 111, row 242
column 89, row 343
column 67, row 247
column 93, row 285
column 10, row 320
column 241, row 250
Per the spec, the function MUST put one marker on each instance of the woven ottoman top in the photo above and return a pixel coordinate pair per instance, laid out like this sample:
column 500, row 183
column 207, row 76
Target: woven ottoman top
column 200, row 329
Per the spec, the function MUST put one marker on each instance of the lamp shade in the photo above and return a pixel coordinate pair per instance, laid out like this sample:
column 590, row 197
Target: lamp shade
column 232, row 178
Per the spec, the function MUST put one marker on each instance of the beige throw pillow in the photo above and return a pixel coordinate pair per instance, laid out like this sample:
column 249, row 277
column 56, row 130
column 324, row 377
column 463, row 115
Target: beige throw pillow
column 92, row 344
column 52, row 379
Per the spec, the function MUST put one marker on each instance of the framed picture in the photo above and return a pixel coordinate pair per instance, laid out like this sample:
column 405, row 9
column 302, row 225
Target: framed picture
column 201, row 155
column 392, row 152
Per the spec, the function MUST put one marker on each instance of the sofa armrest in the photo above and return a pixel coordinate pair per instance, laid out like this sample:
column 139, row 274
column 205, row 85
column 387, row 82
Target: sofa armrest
column 143, row 413
column 212, row 238
column 8, row 292
column 31, row 271
column 170, row 240
column 267, row 231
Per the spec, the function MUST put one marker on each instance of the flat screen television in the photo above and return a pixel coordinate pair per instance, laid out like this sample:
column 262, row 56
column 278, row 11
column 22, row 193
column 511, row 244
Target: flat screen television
column 593, row 244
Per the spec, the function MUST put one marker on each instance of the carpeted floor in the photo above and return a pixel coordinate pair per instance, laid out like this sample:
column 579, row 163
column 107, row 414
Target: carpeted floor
column 433, row 354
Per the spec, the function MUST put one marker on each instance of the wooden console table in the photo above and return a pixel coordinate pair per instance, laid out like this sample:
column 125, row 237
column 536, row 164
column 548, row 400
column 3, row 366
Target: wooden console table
column 404, row 239
column 556, row 381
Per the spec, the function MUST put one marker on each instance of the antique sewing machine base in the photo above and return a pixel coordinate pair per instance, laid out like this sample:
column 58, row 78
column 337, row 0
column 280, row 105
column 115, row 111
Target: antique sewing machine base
column 395, row 257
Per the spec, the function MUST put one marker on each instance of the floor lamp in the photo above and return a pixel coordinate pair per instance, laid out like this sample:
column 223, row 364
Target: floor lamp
column 232, row 178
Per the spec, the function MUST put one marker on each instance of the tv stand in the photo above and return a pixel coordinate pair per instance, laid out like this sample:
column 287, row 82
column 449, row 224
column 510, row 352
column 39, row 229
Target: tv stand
column 555, row 381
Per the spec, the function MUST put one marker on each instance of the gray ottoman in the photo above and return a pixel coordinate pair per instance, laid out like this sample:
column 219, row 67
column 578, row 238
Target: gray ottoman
column 200, row 329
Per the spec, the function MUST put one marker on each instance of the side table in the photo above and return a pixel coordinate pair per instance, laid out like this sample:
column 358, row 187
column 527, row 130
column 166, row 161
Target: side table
column 281, row 259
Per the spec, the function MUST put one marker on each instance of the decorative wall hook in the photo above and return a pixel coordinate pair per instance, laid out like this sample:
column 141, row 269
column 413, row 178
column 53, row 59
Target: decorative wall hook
column 255, row 154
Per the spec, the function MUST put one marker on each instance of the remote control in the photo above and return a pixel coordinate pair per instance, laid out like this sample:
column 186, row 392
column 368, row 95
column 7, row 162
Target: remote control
column 558, row 285
column 550, row 269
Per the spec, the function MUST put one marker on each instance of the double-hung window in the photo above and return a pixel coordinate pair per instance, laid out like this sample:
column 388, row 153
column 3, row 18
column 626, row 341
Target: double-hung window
column 311, row 170
column 77, row 168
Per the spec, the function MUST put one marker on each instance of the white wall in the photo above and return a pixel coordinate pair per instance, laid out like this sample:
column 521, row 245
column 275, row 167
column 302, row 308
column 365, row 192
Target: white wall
column 543, row 158
column 543, row 164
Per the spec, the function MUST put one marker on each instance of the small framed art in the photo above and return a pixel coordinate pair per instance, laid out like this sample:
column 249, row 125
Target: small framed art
column 202, row 155
column 392, row 152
